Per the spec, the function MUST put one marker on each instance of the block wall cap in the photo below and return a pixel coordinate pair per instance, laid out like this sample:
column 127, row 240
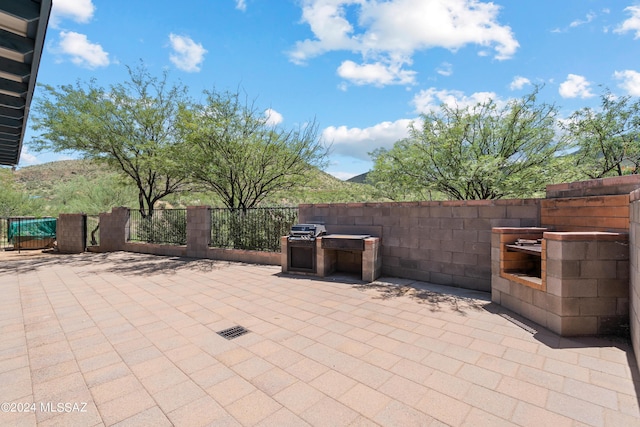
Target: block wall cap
column 586, row 236
column 518, row 230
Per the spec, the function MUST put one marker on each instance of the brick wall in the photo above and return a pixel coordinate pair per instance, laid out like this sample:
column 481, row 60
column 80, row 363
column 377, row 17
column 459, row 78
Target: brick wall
column 445, row 242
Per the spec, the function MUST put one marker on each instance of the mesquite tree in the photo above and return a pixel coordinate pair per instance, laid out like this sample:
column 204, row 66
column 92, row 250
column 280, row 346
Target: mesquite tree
column 130, row 126
column 486, row 151
column 235, row 152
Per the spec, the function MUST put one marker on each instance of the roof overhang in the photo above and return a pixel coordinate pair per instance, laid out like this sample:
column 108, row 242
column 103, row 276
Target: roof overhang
column 23, row 26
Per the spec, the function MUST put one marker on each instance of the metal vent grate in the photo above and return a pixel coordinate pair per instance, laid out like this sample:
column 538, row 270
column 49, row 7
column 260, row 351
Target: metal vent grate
column 233, row 332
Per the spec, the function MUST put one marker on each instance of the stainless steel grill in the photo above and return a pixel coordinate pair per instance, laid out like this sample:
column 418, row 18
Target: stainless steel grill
column 306, row 231
column 301, row 252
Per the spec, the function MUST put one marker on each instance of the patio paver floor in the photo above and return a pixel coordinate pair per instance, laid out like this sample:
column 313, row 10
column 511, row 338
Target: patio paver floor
column 131, row 339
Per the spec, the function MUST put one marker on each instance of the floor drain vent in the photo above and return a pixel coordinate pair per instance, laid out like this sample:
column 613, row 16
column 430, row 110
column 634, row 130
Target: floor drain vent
column 519, row 323
column 233, row 332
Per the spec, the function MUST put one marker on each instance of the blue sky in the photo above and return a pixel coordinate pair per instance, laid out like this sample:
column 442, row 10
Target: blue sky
column 364, row 69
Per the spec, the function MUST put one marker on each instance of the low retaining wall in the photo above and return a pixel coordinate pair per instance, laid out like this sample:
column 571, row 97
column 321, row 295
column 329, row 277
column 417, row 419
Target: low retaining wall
column 114, row 228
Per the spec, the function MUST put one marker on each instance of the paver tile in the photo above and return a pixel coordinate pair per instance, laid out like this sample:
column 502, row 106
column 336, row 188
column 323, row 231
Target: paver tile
column 150, row 417
column 124, row 407
column 134, row 336
column 273, row 381
column 444, row 408
column 306, row 369
column 298, row 397
column 398, row 414
column 333, row 383
column 576, row 409
column 201, row 412
column 365, row 400
column 253, row 408
column 117, row 387
column 528, row 415
column 283, row 417
column 330, row 413
column 403, row 390
column 230, row 390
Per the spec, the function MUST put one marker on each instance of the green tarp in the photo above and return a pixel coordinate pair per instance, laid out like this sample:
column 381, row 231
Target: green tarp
column 34, row 228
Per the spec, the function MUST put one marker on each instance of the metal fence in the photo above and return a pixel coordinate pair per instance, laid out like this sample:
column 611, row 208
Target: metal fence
column 256, row 229
column 166, row 226
column 23, row 232
column 4, row 234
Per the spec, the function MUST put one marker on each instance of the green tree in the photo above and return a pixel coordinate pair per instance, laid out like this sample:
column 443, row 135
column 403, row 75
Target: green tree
column 487, row 151
column 131, row 126
column 13, row 200
column 237, row 154
column 608, row 139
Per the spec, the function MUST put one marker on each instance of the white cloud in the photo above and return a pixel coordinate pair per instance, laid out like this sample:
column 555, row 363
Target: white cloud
column 445, row 69
column 575, row 87
column 358, row 142
column 632, row 24
column 273, row 117
column 77, row 10
column 377, row 74
column 630, row 81
column 241, row 5
column 590, row 17
column 519, row 82
column 187, row 55
column 27, row 157
column 430, row 99
column 387, row 34
column 81, row 51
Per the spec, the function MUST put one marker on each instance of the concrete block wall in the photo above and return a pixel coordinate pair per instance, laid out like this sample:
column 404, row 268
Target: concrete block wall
column 595, row 213
column 586, row 289
column 70, row 233
column 198, row 231
column 595, row 187
column 446, row 242
column 114, row 229
column 634, row 272
column 587, row 282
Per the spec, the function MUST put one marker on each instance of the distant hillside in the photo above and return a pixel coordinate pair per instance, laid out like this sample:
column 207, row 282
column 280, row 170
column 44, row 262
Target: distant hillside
column 39, row 180
column 359, row 179
column 81, row 185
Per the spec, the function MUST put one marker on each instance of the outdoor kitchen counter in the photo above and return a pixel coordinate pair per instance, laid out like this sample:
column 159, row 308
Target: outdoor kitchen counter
column 339, row 252
column 344, row 242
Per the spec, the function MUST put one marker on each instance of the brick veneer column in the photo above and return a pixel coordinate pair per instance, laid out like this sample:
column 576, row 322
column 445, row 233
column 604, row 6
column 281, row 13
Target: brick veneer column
column 198, row 231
